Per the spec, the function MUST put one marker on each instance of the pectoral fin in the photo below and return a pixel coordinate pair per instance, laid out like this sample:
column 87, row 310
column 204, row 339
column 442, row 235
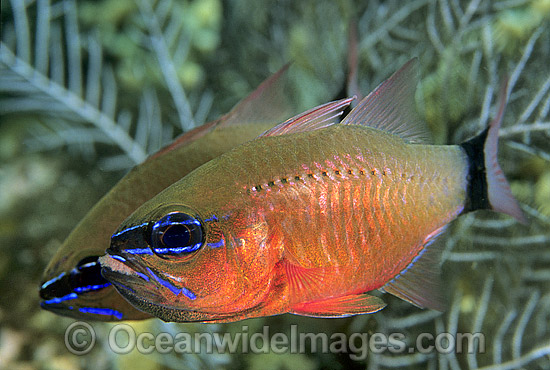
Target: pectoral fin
column 343, row 306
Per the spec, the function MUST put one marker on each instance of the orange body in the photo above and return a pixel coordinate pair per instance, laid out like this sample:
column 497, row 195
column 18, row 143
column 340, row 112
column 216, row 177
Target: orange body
column 354, row 211
column 325, row 213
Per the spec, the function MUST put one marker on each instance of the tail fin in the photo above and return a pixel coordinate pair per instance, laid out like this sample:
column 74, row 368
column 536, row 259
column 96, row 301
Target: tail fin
column 488, row 188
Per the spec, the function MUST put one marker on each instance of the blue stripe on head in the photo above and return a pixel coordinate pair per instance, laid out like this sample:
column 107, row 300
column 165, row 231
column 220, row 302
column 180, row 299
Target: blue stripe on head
column 128, row 229
column 67, row 297
column 87, row 265
column 124, row 287
column 219, row 243
column 89, row 288
column 119, row 258
column 101, row 311
column 169, row 220
column 142, row 275
column 51, row 281
column 186, row 292
column 139, row 251
column 212, row 219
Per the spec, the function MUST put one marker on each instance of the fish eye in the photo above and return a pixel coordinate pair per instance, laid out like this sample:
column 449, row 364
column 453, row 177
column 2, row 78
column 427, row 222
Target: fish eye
column 177, row 234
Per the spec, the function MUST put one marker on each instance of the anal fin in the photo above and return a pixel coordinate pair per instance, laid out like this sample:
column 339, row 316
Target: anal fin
column 343, row 306
column 420, row 282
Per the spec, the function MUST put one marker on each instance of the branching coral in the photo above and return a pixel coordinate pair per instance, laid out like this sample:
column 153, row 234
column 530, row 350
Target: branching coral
column 64, row 76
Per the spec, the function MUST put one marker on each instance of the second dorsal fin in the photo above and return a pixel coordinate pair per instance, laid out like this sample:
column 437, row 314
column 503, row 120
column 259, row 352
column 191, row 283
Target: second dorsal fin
column 391, row 106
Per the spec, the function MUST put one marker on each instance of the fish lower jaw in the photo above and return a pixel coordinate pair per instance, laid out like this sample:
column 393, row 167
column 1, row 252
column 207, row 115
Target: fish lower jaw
column 168, row 313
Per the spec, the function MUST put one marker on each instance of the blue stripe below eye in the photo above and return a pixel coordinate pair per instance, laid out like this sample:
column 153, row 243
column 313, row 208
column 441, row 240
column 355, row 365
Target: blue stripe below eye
column 213, row 218
column 141, row 275
column 186, row 292
column 51, row 281
column 139, row 251
column 125, row 287
column 89, row 288
column 178, row 250
column 67, row 297
column 101, row 311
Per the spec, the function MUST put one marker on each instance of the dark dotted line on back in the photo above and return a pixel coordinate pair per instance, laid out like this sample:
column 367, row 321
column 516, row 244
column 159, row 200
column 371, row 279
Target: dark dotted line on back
column 297, row 178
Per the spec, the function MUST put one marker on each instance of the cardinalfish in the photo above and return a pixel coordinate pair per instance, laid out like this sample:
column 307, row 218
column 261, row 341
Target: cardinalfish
column 72, row 283
column 311, row 217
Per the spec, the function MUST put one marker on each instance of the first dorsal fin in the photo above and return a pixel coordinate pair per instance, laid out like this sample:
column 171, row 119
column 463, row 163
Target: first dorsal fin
column 314, row 119
column 267, row 104
column 391, row 106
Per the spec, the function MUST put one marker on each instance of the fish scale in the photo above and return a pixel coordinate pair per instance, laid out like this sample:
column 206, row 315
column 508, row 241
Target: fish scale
column 383, row 220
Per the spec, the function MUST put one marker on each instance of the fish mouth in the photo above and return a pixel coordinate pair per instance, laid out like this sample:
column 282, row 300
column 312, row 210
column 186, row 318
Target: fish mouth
column 85, row 277
column 126, row 266
column 131, row 281
column 150, row 300
column 142, row 286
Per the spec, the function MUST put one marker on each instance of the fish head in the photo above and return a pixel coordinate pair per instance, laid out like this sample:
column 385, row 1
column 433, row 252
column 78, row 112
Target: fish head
column 184, row 263
column 72, row 284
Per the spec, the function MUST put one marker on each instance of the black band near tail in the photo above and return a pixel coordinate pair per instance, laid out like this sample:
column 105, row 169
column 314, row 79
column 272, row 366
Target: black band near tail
column 476, row 193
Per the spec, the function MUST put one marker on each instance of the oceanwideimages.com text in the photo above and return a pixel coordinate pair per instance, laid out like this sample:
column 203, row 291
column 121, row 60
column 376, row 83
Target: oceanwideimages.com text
column 80, row 338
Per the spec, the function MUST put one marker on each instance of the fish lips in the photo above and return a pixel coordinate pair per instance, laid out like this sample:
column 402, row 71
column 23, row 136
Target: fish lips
column 139, row 288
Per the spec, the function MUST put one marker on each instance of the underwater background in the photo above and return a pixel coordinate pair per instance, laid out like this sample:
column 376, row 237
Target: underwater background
column 90, row 88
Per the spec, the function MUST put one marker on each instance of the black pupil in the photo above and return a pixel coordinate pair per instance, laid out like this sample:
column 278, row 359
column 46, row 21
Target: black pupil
column 176, row 236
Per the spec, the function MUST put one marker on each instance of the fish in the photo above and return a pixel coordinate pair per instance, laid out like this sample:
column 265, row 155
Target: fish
column 315, row 217
column 72, row 284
